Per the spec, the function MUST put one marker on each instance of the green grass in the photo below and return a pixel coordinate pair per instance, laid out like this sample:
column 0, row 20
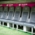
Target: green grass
column 9, row 31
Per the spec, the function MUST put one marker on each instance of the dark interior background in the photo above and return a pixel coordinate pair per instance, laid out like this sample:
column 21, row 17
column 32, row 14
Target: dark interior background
column 15, row 1
column 18, row 0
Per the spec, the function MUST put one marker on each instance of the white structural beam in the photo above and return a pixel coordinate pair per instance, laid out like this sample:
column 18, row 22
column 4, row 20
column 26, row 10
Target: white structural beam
column 8, row 25
column 0, row 23
column 17, row 27
column 24, row 28
column 32, row 30
column 13, row 26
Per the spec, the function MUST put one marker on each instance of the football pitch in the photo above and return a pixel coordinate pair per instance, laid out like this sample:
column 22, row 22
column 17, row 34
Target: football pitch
column 10, row 31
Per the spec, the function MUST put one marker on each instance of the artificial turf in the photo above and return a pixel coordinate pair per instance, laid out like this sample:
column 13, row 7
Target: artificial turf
column 9, row 31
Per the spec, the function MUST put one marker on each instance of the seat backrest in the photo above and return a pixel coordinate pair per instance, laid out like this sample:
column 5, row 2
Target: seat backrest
column 5, row 13
column 17, row 13
column 32, row 16
column 25, row 14
column 10, row 13
column 1, row 11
